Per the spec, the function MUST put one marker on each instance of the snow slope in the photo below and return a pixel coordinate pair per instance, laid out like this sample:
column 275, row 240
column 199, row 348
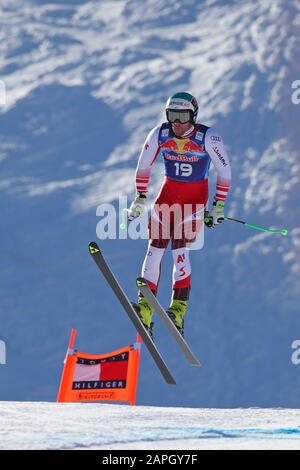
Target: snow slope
column 99, row 426
column 85, row 81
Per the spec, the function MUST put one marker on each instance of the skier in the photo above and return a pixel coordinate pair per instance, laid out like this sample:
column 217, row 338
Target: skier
column 187, row 149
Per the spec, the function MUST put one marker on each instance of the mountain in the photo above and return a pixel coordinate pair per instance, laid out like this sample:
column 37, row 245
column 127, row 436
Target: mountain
column 85, row 82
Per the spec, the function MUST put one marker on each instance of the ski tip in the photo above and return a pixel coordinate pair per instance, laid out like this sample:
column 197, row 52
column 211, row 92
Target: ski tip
column 140, row 281
column 196, row 364
column 93, row 248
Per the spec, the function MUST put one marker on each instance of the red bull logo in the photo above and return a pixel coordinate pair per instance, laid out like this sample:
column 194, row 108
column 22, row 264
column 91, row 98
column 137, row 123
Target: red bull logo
column 170, row 144
column 180, row 158
column 191, row 146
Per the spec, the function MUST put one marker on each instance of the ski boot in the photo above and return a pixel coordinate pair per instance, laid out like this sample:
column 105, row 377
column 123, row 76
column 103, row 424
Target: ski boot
column 176, row 312
column 145, row 312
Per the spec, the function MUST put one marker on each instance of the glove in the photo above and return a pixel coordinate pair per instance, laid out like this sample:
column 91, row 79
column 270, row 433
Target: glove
column 138, row 208
column 215, row 216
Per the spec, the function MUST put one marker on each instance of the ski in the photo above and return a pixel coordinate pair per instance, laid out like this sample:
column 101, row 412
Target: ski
column 148, row 294
column 125, row 302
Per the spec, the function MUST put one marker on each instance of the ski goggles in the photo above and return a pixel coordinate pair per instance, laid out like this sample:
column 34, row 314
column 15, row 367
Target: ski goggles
column 183, row 116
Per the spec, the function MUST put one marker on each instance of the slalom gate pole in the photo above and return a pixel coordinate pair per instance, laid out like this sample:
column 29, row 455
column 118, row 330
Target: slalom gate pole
column 66, row 372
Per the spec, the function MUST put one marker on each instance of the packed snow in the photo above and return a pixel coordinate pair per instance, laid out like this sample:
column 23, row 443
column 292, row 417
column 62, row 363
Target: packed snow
column 102, row 426
column 85, row 82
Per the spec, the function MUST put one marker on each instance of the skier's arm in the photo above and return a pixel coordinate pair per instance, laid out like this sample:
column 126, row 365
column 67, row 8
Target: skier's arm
column 143, row 172
column 147, row 157
column 216, row 149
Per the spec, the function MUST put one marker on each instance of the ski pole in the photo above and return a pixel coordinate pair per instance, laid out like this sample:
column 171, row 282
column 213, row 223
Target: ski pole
column 283, row 231
column 122, row 223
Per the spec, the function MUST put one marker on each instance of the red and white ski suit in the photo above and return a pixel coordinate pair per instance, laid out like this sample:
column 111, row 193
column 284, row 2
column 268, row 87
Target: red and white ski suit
column 187, row 160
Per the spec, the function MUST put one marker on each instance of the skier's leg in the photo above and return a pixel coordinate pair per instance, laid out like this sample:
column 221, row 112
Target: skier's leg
column 181, row 286
column 151, row 268
column 181, row 273
column 156, row 248
column 184, row 233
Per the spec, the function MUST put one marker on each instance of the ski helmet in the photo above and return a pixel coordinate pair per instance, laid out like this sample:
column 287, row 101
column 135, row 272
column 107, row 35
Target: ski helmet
column 182, row 102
